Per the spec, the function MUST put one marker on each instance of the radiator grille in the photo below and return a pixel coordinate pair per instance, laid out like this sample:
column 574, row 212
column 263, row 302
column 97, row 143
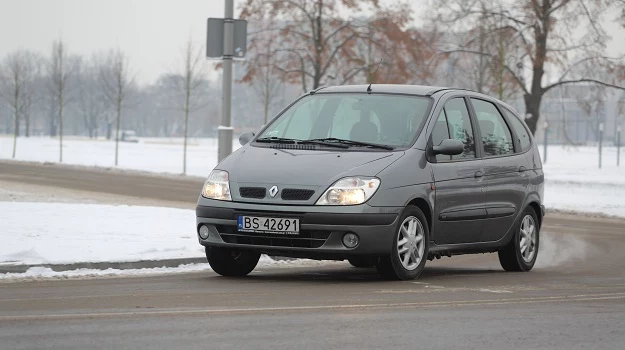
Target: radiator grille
column 252, row 192
column 305, row 239
column 293, row 194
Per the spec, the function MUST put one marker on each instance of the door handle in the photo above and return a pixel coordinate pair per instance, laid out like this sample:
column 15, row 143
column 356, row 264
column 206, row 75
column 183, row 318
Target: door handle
column 479, row 173
column 522, row 169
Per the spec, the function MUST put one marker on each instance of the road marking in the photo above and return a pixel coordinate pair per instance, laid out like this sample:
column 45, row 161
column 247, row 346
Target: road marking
column 457, row 303
column 497, row 291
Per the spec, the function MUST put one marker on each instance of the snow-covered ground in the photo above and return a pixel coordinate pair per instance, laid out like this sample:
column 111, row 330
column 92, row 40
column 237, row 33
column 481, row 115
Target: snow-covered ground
column 568, row 164
column 62, row 233
column 163, row 155
column 573, row 180
column 65, row 233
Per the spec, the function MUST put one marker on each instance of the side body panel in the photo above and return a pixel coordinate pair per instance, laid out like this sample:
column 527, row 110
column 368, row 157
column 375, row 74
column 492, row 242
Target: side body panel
column 460, row 191
column 507, row 180
column 459, row 207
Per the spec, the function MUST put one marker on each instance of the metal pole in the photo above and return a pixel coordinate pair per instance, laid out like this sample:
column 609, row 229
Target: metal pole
column 224, row 147
column 545, row 143
column 600, row 142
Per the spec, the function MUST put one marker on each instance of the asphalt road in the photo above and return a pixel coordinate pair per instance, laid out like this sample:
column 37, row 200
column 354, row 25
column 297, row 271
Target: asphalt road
column 573, row 299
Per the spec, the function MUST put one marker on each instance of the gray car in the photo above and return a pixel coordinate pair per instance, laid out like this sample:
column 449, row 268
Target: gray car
column 381, row 175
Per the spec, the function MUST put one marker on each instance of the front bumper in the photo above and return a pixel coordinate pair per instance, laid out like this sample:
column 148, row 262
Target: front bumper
column 321, row 229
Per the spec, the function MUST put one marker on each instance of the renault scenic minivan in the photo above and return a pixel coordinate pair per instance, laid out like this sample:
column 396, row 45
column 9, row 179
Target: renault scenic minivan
column 379, row 175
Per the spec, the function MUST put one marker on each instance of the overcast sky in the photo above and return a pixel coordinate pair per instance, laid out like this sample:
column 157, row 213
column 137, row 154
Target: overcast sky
column 151, row 32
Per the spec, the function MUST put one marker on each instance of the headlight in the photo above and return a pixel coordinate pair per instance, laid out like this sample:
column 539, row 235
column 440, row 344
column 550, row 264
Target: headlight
column 217, row 186
column 350, row 191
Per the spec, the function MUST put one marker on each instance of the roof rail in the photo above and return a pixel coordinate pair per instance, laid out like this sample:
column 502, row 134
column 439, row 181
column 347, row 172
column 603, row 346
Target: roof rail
column 312, row 92
column 447, row 88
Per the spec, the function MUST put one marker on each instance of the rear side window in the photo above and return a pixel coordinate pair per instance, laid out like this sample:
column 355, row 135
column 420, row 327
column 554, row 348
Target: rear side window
column 454, row 123
column 496, row 136
column 519, row 129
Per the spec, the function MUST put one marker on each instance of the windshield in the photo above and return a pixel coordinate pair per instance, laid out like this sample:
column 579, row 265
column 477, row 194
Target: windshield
column 381, row 119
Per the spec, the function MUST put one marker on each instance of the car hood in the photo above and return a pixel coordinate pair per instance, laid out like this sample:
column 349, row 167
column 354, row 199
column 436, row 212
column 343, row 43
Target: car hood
column 303, row 167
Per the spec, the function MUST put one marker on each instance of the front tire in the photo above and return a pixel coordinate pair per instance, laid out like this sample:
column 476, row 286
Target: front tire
column 410, row 247
column 231, row 262
column 520, row 254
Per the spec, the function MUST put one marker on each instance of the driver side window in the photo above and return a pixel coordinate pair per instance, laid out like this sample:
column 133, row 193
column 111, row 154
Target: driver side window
column 454, row 123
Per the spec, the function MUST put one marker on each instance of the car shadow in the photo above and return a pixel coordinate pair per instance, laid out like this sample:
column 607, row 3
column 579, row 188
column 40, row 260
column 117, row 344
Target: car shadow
column 350, row 274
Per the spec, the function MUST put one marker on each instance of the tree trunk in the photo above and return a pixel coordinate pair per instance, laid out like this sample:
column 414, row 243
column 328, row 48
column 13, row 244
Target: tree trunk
column 266, row 104
column 16, row 131
column 119, row 112
column 27, row 123
column 532, row 107
column 61, row 128
column 52, row 125
column 186, row 128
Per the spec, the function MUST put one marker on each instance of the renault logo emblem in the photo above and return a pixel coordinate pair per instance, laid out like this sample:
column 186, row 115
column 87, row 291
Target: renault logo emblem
column 273, row 191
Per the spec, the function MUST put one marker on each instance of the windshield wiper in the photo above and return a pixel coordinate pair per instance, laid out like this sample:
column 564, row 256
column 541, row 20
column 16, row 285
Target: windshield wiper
column 352, row 143
column 277, row 140
column 324, row 143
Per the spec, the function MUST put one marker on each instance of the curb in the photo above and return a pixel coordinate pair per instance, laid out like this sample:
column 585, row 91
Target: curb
column 143, row 264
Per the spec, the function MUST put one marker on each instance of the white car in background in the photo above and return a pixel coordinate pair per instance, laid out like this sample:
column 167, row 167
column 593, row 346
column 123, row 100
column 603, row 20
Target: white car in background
column 128, row 136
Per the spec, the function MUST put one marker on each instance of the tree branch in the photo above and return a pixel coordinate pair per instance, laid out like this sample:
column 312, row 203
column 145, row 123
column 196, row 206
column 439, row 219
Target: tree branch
column 506, row 67
column 334, row 52
column 583, row 80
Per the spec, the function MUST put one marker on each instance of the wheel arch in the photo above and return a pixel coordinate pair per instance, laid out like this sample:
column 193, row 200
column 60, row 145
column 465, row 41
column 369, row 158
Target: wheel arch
column 538, row 210
column 423, row 204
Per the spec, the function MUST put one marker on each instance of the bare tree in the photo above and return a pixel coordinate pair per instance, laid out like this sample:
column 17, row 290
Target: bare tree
column 116, row 81
column 387, row 50
column 187, row 81
column 59, row 72
column 314, row 34
column 262, row 73
column 543, row 30
column 17, row 76
column 91, row 102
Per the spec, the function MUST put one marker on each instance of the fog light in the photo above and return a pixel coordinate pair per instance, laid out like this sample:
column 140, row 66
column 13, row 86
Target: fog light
column 350, row 240
column 203, row 232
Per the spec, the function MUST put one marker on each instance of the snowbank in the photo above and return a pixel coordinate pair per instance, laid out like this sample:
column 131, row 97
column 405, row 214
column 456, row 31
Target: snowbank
column 155, row 155
column 63, row 233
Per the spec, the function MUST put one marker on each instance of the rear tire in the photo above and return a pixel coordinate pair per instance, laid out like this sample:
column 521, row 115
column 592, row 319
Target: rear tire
column 411, row 239
column 362, row 261
column 231, row 262
column 521, row 253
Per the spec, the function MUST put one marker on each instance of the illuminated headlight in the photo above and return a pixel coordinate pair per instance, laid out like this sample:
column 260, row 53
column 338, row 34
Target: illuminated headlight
column 350, row 191
column 217, row 186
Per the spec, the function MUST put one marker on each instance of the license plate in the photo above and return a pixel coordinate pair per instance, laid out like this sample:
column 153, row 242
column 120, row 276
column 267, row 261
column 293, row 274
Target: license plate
column 259, row 224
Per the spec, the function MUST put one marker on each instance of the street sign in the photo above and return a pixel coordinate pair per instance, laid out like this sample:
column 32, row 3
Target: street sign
column 215, row 38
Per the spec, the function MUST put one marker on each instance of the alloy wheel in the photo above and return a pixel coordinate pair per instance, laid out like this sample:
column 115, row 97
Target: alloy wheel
column 527, row 237
column 411, row 243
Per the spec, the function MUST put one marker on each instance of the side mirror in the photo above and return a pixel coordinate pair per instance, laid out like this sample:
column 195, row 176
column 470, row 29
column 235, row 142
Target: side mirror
column 449, row 147
column 246, row 138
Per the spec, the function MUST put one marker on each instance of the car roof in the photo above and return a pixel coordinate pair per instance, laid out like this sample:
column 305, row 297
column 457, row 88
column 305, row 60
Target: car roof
column 420, row 90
